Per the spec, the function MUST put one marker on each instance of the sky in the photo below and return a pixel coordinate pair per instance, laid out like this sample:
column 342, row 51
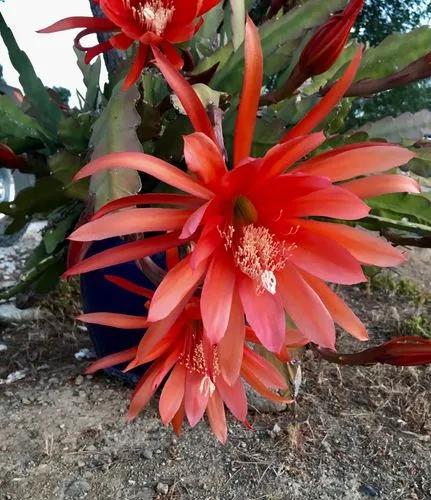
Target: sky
column 52, row 55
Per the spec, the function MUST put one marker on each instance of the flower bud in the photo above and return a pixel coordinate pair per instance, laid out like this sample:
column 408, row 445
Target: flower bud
column 400, row 351
column 327, row 43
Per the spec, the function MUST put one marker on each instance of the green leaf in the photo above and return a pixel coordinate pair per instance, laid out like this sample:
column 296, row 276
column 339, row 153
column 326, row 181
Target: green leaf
column 91, row 74
column 407, row 128
column 206, row 37
column 63, row 166
column 46, row 195
column 75, row 131
column 403, row 206
column 115, row 131
column 170, row 145
column 19, row 131
column 237, row 22
column 55, row 235
column 275, row 34
column 377, row 223
column 207, row 96
column 48, row 112
column 395, row 53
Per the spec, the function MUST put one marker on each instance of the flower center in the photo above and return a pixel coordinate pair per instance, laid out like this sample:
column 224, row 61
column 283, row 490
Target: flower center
column 154, row 15
column 244, row 211
column 258, row 254
column 196, row 359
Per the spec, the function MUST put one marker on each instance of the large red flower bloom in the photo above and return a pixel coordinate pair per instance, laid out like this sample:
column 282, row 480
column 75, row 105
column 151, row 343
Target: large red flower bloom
column 253, row 232
column 161, row 23
column 197, row 376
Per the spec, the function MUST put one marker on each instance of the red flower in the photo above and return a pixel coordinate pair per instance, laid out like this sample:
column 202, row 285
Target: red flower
column 328, row 42
column 9, row 159
column 160, row 23
column 253, row 233
column 401, row 351
column 197, row 377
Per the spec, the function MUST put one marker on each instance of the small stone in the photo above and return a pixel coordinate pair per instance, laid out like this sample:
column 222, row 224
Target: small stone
column 162, row 488
column 79, row 379
column 25, row 401
column 368, row 490
column 276, row 429
column 77, row 489
column 91, row 447
column 9, row 313
column 3, row 347
column 146, row 453
column 84, row 354
column 82, row 394
column 327, row 446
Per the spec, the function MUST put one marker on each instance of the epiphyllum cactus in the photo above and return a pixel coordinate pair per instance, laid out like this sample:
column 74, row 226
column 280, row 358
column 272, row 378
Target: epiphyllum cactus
column 253, row 231
column 156, row 23
column 197, row 377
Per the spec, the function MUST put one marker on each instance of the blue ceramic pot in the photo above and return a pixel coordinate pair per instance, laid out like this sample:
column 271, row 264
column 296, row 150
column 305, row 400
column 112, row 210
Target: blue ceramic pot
column 99, row 295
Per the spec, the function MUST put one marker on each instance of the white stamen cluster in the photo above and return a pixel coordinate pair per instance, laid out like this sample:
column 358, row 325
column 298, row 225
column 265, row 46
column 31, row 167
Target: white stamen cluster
column 154, row 15
column 259, row 255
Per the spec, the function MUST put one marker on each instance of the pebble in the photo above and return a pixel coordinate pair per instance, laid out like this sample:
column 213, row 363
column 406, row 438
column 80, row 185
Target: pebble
column 78, row 489
column 162, row 488
column 147, row 454
column 9, row 313
column 79, row 379
column 3, row 347
column 368, row 490
column 276, row 429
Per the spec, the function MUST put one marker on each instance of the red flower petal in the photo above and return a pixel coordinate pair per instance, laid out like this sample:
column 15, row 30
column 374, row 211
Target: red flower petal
column 195, row 399
column 134, row 250
column 305, row 308
column 185, row 93
column 217, row 417
column 325, row 258
column 151, row 166
column 266, row 371
column 96, row 23
column 264, row 313
column 376, row 185
column 172, row 54
column 131, row 221
column 111, row 360
column 280, row 157
column 365, row 247
column 172, row 394
column 234, row 397
column 115, row 320
column 334, row 202
column 129, row 286
column 339, row 311
column 357, row 161
column 250, row 94
column 137, row 66
column 179, row 281
column 204, row 159
column 232, row 344
column 147, row 199
column 216, row 298
column 328, row 102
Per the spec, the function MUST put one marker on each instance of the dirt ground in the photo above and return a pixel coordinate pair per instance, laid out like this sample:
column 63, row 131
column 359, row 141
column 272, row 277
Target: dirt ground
column 353, row 432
